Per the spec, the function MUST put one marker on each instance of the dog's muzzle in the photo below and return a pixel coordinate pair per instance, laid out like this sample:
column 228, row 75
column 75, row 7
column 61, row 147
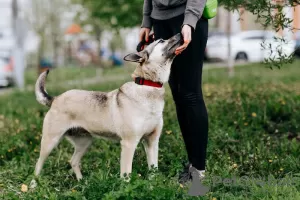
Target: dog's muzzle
column 177, row 39
column 175, row 42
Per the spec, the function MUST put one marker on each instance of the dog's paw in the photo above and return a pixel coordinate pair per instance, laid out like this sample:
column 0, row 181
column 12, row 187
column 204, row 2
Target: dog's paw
column 151, row 176
column 33, row 184
column 127, row 180
column 126, row 177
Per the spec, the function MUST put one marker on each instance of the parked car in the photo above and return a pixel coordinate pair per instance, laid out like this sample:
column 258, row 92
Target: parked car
column 297, row 46
column 246, row 46
column 6, row 72
column 212, row 33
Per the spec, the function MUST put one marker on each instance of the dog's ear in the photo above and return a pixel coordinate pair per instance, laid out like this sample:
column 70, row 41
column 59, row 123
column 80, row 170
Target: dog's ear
column 137, row 57
column 133, row 57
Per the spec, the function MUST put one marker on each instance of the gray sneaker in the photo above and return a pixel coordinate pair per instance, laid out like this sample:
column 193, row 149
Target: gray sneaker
column 185, row 176
column 197, row 188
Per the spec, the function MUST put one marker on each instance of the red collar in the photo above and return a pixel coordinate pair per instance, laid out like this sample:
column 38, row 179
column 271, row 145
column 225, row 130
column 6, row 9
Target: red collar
column 142, row 81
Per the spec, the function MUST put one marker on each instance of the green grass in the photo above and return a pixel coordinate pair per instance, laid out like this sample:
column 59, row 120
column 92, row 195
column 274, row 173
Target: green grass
column 63, row 74
column 254, row 122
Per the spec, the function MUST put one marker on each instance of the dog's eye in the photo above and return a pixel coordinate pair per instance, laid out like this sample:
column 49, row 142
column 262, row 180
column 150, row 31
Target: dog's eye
column 161, row 41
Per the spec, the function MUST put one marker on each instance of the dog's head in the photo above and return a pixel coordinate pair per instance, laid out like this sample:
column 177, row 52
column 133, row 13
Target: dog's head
column 156, row 59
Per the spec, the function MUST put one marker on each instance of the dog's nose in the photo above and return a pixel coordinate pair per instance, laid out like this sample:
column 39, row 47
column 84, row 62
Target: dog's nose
column 176, row 39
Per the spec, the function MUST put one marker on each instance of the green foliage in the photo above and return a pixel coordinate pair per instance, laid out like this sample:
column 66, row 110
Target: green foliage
column 115, row 13
column 254, row 130
column 264, row 10
column 277, row 57
column 270, row 15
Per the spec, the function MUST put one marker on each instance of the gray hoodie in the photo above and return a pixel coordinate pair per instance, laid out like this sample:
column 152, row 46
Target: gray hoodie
column 166, row 9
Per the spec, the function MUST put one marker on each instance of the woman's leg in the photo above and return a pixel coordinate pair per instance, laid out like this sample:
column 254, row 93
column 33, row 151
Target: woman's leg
column 164, row 30
column 190, row 106
column 186, row 86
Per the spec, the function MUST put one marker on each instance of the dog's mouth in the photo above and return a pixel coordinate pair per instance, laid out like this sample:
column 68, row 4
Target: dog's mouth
column 174, row 42
column 175, row 46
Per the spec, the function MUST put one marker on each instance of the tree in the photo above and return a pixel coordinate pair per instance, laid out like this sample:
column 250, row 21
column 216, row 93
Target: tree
column 84, row 18
column 38, row 18
column 117, row 42
column 19, row 30
column 56, row 10
column 45, row 18
column 269, row 14
column 115, row 13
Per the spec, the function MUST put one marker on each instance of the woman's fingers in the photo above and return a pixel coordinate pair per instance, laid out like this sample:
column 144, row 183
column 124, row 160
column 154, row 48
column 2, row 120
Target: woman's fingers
column 141, row 34
column 144, row 34
column 187, row 37
column 147, row 35
column 180, row 49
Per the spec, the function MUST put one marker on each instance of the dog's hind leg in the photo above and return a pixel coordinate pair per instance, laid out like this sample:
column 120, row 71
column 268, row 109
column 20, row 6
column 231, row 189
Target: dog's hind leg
column 151, row 146
column 52, row 135
column 81, row 144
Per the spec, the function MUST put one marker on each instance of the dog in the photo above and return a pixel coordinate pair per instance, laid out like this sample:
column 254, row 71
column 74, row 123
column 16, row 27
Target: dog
column 130, row 114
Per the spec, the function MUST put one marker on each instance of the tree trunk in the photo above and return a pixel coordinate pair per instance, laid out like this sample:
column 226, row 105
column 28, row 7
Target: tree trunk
column 230, row 60
column 55, row 30
column 18, row 50
column 40, row 53
column 98, row 33
column 56, row 45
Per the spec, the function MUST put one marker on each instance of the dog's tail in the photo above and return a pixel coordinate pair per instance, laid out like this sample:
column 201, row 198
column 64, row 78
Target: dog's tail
column 41, row 95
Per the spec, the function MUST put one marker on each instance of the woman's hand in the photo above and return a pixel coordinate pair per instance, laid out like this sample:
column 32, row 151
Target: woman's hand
column 144, row 33
column 186, row 32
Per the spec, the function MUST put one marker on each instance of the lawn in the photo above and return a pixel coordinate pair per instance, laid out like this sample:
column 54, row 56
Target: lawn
column 254, row 132
column 63, row 74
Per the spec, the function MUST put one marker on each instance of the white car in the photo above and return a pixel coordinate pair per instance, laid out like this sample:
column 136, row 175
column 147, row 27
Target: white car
column 6, row 72
column 247, row 46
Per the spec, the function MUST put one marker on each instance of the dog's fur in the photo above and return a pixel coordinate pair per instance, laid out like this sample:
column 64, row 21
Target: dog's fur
column 128, row 114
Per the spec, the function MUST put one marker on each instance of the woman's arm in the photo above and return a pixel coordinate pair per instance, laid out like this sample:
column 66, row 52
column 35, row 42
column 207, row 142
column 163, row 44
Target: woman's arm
column 147, row 9
column 147, row 23
column 193, row 12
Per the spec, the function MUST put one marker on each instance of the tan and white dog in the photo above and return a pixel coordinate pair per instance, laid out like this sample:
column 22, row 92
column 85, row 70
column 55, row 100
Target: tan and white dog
column 129, row 114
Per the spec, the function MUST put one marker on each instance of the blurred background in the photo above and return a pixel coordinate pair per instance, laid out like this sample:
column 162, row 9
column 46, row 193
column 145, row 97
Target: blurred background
column 39, row 34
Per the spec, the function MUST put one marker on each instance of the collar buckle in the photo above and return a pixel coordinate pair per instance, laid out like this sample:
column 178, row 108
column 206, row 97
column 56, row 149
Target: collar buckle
column 139, row 81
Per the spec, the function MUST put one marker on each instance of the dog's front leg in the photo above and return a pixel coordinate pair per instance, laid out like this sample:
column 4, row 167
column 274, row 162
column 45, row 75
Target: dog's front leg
column 151, row 146
column 128, row 147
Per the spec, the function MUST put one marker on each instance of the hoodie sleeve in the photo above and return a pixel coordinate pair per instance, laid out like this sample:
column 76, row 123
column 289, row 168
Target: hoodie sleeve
column 193, row 12
column 147, row 8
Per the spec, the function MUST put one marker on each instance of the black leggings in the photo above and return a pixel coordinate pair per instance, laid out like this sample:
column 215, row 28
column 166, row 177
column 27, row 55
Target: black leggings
column 186, row 86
